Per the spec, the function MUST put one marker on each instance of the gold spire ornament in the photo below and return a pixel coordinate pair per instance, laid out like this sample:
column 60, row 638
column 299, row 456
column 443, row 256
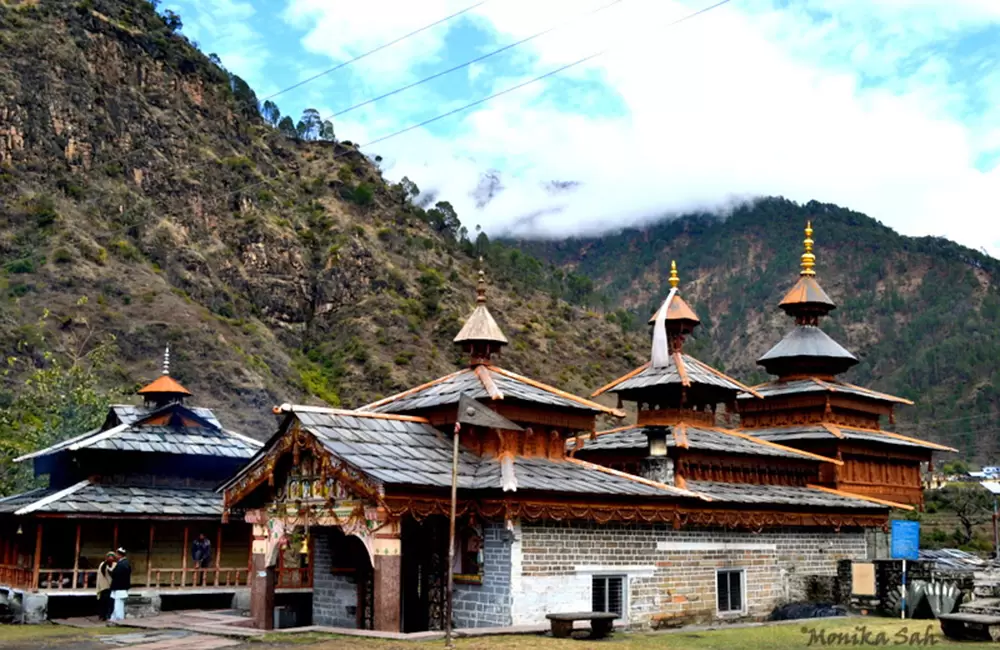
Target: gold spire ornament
column 808, row 259
column 674, row 280
column 481, row 286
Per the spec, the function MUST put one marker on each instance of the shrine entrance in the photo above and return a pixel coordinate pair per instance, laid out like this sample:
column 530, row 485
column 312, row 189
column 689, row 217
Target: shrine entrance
column 344, row 583
column 424, row 573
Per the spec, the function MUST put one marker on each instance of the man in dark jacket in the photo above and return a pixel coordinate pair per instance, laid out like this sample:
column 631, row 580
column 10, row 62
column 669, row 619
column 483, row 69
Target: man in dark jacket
column 201, row 553
column 121, row 582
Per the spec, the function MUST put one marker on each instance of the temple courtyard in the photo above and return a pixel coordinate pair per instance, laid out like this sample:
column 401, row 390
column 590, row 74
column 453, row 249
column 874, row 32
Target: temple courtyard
column 845, row 632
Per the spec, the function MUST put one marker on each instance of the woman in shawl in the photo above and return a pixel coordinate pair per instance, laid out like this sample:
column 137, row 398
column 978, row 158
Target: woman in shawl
column 104, row 586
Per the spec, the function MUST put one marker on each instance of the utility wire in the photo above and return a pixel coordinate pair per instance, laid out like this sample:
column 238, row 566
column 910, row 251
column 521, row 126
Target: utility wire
column 377, row 49
column 128, row 154
column 475, row 60
column 483, row 100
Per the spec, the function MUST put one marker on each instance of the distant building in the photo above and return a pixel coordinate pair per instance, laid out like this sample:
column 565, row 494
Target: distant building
column 144, row 480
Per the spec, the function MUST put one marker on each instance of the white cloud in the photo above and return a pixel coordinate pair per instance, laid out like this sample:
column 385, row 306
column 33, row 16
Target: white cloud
column 731, row 104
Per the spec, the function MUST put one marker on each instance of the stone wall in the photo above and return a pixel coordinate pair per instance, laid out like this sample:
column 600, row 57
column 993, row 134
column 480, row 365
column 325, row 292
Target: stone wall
column 668, row 571
column 335, row 596
column 488, row 604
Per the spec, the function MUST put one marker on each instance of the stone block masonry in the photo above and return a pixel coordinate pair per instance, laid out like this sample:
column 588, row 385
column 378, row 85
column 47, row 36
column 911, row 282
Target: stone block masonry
column 488, row 604
column 335, row 596
column 667, row 572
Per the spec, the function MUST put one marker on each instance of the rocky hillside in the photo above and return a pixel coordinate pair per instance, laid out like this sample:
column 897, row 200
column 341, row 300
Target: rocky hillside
column 137, row 173
column 922, row 314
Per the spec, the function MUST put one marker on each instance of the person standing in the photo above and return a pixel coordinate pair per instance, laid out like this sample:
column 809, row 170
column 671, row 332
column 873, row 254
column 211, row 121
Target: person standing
column 104, row 585
column 201, row 553
column 121, row 582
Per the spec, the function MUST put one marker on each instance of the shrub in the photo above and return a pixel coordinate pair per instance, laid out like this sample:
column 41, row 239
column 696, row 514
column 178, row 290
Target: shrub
column 363, row 194
column 62, row 256
column 25, row 265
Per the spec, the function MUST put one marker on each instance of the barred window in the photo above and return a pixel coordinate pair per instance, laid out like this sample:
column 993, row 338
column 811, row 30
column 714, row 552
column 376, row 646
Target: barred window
column 729, row 588
column 609, row 594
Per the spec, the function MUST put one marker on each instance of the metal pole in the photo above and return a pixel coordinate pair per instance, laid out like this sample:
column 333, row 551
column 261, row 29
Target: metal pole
column 449, row 642
column 902, row 609
column 996, row 531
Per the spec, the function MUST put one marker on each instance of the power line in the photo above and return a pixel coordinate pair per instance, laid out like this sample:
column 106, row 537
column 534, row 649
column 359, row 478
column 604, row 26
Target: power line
column 475, row 60
column 500, row 93
column 114, row 161
column 377, row 49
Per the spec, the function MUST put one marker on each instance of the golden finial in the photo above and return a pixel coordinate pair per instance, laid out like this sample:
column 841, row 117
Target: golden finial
column 674, row 280
column 481, row 286
column 808, row 259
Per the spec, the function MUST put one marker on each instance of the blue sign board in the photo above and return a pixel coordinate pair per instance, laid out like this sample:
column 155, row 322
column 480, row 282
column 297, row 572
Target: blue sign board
column 905, row 540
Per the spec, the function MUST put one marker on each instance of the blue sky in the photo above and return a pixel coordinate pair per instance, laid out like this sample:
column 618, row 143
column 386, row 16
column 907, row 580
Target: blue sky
column 890, row 107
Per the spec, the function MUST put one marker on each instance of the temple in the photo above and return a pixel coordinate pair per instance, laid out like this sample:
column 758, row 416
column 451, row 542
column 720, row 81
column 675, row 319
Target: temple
column 144, row 480
column 809, row 408
column 364, row 496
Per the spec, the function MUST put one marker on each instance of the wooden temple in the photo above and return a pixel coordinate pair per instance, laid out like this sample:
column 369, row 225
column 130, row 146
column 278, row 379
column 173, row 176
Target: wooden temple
column 365, row 495
column 145, row 480
column 808, row 407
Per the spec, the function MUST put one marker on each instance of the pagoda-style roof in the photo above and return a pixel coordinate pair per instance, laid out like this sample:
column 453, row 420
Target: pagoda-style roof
column 688, row 436
column 484, row 382
column 810, row 496
column 394, row 450
column 164, row 385
column 678, row 310
column 807, row 293
column 481, row 326
column 89, row 497
column 131, row 428
column 827, row 431
column 809, row 385
column 807, row 344
column 681, row 370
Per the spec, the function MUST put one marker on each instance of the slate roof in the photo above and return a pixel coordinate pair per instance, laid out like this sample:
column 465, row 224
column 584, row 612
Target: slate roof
column 412, row 452
column 745, row 493
column 94, row 498
column 807, row 292
column 693, row 372
column 821, row 432
column 816, row 385
column 130, row 434
column 447, row 390
column 808, row 341
column 695, row 437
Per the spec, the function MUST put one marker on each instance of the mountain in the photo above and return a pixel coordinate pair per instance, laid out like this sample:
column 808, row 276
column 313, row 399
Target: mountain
column 144, row 196
column 922, row 314
column 138, row 175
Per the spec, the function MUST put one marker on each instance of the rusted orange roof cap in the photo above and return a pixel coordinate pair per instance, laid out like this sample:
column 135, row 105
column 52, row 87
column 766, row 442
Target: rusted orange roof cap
column 164, row 384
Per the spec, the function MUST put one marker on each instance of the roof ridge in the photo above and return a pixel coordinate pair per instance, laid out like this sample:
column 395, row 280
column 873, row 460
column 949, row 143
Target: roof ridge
column 483, row 375
column 326, row 410
column 719, row 373
column 899, row 436
column 681, row 369
column 861, row 497
column 556, row 391
column 55, row 496
column 615, row 382
column 901, row 400
column 768, row 443
column 410, row 391
column 834, row 429
column 638, row 479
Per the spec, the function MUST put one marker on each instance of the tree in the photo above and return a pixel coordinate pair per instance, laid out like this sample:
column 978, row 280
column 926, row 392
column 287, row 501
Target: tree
column 326, row 131
column 287, row 127
column 410, row 189
column 59, row 396
column 955, row 467
column 246, row 98
column 301, row 131
column 311, row 123
column 972, row 505
column 444, row 218
column 271, row 113
column 172, row 20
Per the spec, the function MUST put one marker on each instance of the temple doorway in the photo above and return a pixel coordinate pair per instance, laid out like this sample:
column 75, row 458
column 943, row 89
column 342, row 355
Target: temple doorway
column 343, row 583
column 424, row 575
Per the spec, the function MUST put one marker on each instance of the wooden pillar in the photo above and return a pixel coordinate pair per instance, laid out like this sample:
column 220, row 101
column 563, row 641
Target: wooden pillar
column 218, row 553
column 38, row 556
column 184, row 555
column 387, row 581
column 114, row 538
column 76, row 556
column 262, row 593
column 149, row 554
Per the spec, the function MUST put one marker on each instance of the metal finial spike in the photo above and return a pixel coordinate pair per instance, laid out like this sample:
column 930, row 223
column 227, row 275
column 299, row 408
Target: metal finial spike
column 808, row 259
column 481, row 286
column 674, row 280
column 166, row 360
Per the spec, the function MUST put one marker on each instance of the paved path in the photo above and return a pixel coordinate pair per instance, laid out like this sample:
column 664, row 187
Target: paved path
column 167, row 640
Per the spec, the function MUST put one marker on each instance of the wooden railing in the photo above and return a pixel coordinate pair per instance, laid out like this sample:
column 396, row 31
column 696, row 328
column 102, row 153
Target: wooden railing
column 196, row 578
column 63, row 579
column 293, row 578
column 15, row 576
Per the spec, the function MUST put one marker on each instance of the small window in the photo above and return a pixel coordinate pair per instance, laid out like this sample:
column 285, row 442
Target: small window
column 609, row 594
column 729, row 587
